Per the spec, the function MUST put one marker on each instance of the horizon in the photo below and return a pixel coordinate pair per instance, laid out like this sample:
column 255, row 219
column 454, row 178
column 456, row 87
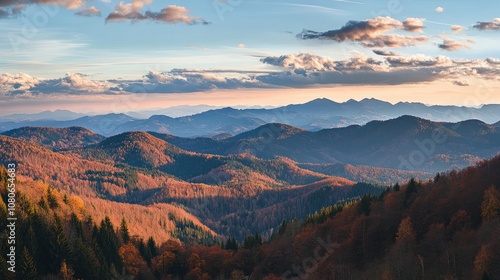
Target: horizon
column 201, row 108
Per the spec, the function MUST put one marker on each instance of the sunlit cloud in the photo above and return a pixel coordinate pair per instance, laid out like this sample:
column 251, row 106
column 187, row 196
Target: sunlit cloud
column 451, row 45
column 171, row 14
column 89, row 12
column 371, row 33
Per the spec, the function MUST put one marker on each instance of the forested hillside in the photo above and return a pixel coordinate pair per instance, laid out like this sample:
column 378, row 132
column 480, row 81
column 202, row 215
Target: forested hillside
column 148, row 178
column 447, row 228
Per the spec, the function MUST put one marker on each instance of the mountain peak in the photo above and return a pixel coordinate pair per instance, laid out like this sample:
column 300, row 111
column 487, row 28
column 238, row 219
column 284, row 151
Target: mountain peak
column 56, row 138
column 270, row 130
column 139, row 148
column 374, row 101
column 321, row 101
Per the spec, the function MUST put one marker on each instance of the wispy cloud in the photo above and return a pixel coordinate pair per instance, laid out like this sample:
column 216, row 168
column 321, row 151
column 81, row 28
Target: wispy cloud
column 350, row 2
column 310, row 7
column 89, row 12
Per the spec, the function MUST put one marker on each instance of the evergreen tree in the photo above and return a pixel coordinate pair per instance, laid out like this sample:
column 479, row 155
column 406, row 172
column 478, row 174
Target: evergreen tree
column 59, row 248
column 231, row 244
column 51, row 199
column 396, row 187
column 152, row 247
column 109, row 244
column 27, row 267
column 86, row 264
column 410, row 190
column 145, row 252
column 124, row 231
column 77, row 226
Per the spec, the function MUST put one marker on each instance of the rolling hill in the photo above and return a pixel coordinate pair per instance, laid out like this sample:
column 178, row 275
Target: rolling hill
column 57, row 138
column 139, row 171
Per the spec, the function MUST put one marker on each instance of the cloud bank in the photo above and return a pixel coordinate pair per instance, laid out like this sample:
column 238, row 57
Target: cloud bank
column 293, row 71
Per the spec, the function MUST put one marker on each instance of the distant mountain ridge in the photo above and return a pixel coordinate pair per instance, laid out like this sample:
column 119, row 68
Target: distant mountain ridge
column 314, row 115
column 57, row 115
column 406, row 142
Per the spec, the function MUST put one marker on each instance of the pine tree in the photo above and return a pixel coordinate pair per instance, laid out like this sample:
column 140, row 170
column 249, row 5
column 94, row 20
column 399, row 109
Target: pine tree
column 59, row 248
column 152, row 247
column 86, row 264
column 145, row 252
column 410, row 190
column 124, row 231
column 231, row 244
column 52, row 200
column 27, row 267
column 109, row 244
column 77, row 226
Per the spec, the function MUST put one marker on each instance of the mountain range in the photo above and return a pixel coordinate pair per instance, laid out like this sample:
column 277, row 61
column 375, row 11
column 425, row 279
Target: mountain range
column 314, row 115
column 283, row 184
column 404, row 143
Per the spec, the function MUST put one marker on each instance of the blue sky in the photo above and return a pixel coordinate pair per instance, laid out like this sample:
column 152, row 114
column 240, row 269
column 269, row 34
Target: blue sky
column 225, row 46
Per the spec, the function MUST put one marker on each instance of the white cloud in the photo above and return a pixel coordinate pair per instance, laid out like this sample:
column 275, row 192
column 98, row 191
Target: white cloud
column 170, row 14
column 457, row 28
column 439, row 9
column 89, row 12
column 451, row 45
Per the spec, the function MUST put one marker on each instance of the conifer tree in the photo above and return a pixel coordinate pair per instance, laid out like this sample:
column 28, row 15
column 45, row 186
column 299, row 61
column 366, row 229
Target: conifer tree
column 152, row 247
column 27, row 267
column 124, row 231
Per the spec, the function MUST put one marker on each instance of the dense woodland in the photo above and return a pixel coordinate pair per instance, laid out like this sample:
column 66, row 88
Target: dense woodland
column 446, row 228
column 144, row 175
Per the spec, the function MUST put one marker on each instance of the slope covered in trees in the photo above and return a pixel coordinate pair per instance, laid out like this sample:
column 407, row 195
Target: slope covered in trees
column 406, row 142
column 57, row 138
column 146, row 177
column 446, row 228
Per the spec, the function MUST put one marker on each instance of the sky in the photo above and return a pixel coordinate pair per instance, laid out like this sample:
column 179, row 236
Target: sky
column 120, row 56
